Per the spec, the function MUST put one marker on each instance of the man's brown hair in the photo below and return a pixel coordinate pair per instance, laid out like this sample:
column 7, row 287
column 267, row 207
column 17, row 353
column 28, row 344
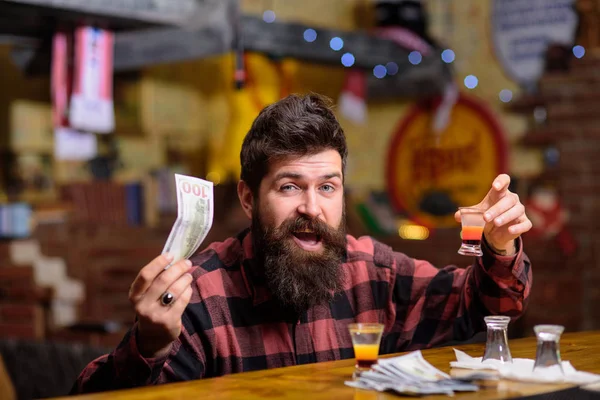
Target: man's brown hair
column 295, row 126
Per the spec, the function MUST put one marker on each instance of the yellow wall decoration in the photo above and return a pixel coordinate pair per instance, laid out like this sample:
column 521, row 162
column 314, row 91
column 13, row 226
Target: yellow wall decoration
column 267, row 81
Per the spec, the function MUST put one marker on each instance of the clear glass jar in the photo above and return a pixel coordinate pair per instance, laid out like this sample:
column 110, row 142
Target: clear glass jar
column 496, row 346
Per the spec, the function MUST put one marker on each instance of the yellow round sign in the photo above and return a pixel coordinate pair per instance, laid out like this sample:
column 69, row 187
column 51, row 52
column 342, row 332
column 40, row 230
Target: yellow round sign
column 429, row 175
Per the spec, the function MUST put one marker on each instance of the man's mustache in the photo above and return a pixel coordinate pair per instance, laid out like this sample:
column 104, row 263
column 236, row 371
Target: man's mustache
column 315, row 226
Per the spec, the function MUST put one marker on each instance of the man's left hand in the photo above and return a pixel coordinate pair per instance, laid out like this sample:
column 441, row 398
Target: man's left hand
column 504, row 216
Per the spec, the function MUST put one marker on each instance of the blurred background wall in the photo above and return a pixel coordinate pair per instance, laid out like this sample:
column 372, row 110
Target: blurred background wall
column 91, row 224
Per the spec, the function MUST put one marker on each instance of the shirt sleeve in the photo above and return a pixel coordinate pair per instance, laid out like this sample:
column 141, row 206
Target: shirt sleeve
column 126, row 368
column 432, row 306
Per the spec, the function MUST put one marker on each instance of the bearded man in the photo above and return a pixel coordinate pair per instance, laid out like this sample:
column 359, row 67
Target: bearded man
column 283, row 291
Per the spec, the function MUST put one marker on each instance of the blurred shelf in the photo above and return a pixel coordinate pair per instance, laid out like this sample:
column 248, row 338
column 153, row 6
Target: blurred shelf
column 211, row 30
column 33, row 18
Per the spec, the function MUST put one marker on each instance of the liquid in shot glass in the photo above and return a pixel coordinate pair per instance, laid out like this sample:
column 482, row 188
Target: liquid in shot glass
column 365, row 341
column 472, row 231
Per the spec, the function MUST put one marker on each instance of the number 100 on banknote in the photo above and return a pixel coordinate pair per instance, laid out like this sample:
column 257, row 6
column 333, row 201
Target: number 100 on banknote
column 195, row 208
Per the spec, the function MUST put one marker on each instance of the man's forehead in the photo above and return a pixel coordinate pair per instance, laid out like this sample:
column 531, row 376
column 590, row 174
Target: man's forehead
column 327, row 162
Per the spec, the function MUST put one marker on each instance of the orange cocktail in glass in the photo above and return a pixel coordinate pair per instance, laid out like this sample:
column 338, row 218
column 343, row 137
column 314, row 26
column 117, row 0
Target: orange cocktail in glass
column 472, row 231
column 365, row 340
column 366, row 354
column 471, row 235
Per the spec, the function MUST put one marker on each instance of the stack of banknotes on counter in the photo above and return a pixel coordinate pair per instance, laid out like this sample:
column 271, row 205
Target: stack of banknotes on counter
column 409, row 374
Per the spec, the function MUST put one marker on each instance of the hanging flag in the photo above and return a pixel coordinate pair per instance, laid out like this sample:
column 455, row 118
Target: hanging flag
column 352, row 101
column 61, row 80
column 91, row 106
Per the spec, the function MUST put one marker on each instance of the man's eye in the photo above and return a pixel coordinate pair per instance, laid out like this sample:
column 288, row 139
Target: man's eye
column 327, row 188
column 287, row 188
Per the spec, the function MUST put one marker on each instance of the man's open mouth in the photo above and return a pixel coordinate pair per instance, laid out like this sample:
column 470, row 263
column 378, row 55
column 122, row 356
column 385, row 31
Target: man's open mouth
column 307, row 238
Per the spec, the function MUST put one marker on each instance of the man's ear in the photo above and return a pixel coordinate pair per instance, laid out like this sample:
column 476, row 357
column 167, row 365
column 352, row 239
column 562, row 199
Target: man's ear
column 246, row 198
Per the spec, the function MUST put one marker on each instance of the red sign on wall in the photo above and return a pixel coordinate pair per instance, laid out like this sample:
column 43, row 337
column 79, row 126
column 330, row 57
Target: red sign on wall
column 430, row 174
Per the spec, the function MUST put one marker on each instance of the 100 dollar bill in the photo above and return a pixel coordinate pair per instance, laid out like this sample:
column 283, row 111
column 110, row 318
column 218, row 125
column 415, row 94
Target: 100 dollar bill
column 194, row 217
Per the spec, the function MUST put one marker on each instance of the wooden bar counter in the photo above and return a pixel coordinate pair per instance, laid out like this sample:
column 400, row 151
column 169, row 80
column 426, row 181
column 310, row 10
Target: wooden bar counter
column 326, row 380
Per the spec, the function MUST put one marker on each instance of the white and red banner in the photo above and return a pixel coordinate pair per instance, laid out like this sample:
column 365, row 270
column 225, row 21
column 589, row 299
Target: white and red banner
column 91, row 107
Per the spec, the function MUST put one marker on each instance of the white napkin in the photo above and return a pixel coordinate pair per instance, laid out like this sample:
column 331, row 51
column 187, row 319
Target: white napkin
column 521, row 369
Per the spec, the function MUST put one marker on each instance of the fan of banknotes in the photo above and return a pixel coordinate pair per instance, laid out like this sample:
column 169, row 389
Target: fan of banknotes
column 194, row 217
column 410, row 374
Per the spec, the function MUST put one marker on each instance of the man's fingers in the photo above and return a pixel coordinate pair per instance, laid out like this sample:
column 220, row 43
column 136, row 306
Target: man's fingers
column 181, row 303
column 510, row 216
column 499, row 189
column 179, row 286
column 147, row 275
column 500, row 207
column 167, row 278
column 520, row 228
column 501, row 182
column 158, row 314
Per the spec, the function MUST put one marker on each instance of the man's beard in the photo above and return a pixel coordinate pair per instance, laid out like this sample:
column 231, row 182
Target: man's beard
column 300, row 278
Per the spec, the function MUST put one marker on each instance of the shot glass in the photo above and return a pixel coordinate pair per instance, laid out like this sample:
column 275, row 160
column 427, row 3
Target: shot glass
column 496, row 346
column 547, row 357
column 472, row 223
column 365, row 340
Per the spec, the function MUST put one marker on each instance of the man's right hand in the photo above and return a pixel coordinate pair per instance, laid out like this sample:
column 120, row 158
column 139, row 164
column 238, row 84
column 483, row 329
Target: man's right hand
column 159, row 325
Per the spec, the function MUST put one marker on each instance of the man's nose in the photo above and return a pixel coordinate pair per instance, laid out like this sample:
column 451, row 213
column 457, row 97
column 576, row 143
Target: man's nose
column 310, row 206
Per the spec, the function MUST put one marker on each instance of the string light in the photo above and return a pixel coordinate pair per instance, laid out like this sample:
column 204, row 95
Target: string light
column 448, row 56
column 415, row 58
column 578, row 51
column 348, row 60
column 391, row 68
column 471, row 81
column 379, row 71
column 310, row 35
column 505, row 95
column 336, row 43
column 269, row 16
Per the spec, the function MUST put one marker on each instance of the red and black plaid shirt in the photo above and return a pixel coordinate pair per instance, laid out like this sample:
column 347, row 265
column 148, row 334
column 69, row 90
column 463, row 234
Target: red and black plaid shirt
column 233, row 324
